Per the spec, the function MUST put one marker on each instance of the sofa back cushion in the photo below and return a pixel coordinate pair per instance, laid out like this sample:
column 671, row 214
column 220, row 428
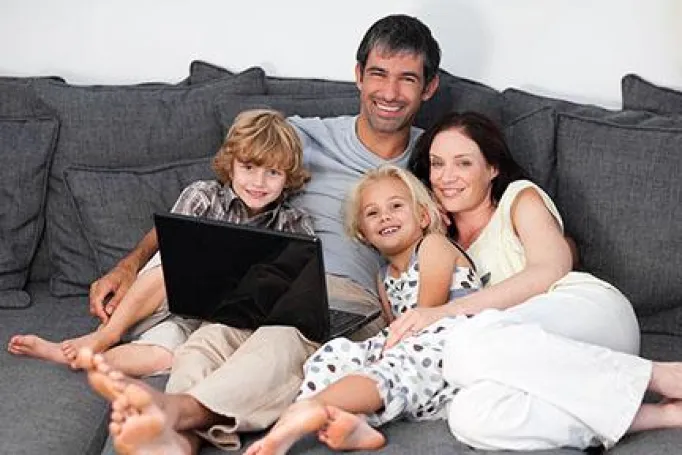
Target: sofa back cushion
column 123, row 126
column 26, row 148
column 302, row 105
column 108, row 199
column 200, row 71
column 639, row 94
column 459, row 94
column 619, row 192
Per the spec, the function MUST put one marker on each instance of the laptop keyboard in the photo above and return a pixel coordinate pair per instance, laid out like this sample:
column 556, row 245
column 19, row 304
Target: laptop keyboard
column 339, row 320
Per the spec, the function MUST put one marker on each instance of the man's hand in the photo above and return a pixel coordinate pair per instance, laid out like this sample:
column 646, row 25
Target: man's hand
column 412, row 322
column 106, row 293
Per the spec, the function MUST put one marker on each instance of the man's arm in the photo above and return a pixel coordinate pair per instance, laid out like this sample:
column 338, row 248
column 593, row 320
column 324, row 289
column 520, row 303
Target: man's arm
column 107, row 292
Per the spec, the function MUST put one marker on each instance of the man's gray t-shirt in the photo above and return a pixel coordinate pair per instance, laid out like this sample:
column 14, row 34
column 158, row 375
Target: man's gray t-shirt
column 336, row 159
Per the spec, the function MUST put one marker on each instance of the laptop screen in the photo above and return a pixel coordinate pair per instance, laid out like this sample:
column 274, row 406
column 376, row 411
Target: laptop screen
column 243, row 276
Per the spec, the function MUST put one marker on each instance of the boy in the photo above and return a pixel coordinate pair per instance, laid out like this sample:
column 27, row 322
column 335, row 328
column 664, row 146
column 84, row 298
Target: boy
column 257, row 167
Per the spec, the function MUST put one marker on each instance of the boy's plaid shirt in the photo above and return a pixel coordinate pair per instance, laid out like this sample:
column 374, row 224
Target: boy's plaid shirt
column 211, row 199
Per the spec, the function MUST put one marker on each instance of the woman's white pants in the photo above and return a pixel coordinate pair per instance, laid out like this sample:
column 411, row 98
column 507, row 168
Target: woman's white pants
column 560, row 370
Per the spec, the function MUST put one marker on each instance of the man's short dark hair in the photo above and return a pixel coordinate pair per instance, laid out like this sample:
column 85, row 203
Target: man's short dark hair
column 401, row 33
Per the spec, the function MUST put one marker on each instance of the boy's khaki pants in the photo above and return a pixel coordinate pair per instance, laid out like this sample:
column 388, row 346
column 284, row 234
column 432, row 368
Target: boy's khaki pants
column 251, row 377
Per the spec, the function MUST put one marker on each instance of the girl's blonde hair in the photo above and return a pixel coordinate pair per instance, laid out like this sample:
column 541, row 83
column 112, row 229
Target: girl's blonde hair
column 419, row 194
column 262, row 137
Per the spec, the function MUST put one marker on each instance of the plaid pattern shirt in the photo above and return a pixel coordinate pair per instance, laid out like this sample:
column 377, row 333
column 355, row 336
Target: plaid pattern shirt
column 211, row 199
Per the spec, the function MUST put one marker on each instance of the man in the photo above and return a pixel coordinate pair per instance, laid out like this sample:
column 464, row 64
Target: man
column 396, row 70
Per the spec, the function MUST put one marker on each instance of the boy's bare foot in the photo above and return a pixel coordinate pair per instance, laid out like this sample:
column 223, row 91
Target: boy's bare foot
column 138, row 426
column 346, row 431
column 302, row 417
column 36, row 347
column 97, row 341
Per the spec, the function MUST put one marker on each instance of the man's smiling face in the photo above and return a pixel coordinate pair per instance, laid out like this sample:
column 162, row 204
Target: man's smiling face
column 392, row 88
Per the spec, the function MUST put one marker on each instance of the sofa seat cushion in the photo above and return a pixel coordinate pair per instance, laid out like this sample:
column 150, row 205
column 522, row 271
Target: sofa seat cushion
column 124, row 126
column 26, row 149
column 115, row 206
column 48, row 408
column 619, row 193
column 640, row 94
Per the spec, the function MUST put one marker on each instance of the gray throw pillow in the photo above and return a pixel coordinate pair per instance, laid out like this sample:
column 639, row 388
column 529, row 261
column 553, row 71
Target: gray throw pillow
column 639, row 94
column 124, row 126
column 619, row 191
column 115, row 206
column 26, row 148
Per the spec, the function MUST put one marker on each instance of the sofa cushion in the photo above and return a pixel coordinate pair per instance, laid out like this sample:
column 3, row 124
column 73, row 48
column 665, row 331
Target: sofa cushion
column 200, row 71
column 459, row 94
column 26, row 149
column 529, row 123
column 531, row 142
column 618, row 187
column 304, row 106
column 115, row 206
column 124, row 126
column 17, row 98
column 639, row 94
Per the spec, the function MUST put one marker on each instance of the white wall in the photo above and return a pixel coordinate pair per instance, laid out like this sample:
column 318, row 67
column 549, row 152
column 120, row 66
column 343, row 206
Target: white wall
column 576, row 49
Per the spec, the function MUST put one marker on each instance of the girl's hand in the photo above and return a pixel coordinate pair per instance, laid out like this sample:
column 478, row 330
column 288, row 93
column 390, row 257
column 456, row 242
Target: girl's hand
column 412, row 322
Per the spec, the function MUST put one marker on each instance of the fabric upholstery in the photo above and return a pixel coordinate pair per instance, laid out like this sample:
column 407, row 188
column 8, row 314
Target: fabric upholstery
column 115, row 206
column 122, row 126
column 619, row 193
column 304, row 106
column 201, row 71
column 26, row 148
column 459, row 94
column 640, row 94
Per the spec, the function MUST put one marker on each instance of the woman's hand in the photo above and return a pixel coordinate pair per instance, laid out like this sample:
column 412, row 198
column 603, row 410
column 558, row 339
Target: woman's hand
column 412, row 322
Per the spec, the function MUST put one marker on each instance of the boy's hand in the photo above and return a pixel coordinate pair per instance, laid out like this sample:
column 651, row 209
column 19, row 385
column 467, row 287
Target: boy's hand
column 106, row 293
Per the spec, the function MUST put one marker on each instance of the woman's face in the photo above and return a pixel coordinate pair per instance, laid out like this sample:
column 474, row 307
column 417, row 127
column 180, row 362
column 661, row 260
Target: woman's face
column 460, row 176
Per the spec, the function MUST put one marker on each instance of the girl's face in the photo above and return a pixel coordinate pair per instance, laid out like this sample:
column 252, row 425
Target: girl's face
column 387, row 216
column 460, row 176
column 257, row 186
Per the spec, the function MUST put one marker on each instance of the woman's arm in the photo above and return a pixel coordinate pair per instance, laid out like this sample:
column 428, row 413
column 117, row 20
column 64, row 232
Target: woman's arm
column 548, row 258
column 437, row 258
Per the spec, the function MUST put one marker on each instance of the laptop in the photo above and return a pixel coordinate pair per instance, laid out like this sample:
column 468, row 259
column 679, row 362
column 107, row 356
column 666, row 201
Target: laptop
column 245, row 277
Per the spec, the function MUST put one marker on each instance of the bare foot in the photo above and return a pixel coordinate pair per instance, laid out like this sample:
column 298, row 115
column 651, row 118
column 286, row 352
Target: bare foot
column 346, row 431
column 106, row 381
column 666, row 379
column 302, row 417
column 138, row 426
column 36, row 347
column 96, row 341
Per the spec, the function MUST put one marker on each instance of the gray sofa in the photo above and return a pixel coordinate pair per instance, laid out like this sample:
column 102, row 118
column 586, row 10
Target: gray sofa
column 83, row 169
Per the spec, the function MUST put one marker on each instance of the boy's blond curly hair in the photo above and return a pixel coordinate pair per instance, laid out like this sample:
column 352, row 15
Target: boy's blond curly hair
column 262, row 137
column 419, row 194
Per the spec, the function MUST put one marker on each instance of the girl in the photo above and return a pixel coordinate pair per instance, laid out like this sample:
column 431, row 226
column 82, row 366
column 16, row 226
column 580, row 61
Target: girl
column 344, row 381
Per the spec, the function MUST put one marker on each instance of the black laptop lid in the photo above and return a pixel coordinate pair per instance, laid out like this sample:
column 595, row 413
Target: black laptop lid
column 243, row 276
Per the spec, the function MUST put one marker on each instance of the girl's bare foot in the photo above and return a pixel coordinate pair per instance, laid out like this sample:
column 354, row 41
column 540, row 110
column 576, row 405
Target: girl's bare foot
column 138, row 426
column 36, row 347
column 104, row 380
column 346, row 431
column 302, row 417
column 97, row 341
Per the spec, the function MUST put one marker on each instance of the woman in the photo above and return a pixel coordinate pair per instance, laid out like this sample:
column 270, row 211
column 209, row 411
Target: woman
column 529, row 375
